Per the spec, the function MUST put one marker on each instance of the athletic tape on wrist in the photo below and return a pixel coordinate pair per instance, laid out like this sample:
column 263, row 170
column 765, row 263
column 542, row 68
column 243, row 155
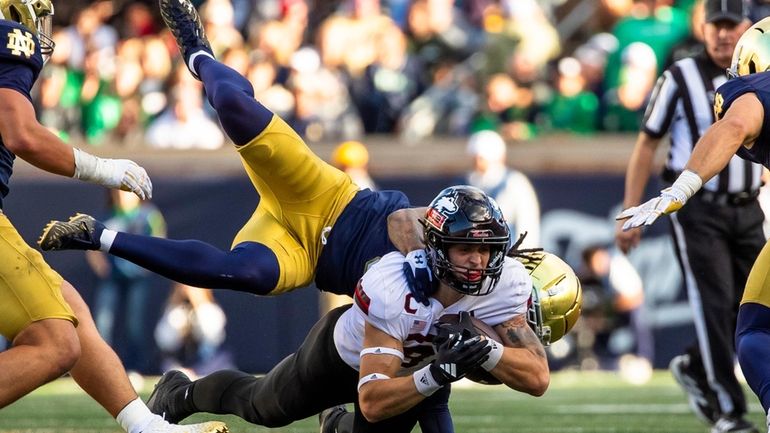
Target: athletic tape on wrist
column 369, row 378
column 382, row 351
column 424, row 381
column 687, row 184
column 494, row 355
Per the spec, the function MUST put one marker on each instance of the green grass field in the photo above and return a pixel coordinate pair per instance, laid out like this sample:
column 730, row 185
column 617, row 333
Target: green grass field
column 575, row 403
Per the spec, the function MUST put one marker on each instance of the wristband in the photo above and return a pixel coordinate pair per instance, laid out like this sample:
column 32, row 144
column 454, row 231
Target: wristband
column 424, row 381
column 494, row 355
column 382, row 351
column 686, row 185
column 371, row 377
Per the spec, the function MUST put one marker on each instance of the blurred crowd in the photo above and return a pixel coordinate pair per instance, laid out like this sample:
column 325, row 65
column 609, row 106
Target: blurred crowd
column 339, row 70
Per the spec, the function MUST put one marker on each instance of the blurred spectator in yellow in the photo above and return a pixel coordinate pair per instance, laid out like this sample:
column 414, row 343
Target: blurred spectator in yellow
column 510, row 188
column 624, row 105
column 507, row 108
column 124, row 285
column 184, row 125
column 572, row 108
column 191, row 332
column 352, row 157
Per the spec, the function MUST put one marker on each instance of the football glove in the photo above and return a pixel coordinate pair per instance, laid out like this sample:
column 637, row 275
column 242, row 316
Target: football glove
column 121, row 174
column 646, row 213
column 464, row 326
column 457, row 356
column 419, row 277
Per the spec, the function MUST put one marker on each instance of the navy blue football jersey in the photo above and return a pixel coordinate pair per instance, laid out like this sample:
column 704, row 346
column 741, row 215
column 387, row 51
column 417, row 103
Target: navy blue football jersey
column 358, row 238
column 759, row 84
column 20, row 64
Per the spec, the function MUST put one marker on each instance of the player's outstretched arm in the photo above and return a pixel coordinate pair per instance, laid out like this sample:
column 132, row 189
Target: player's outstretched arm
column 522, row 365
column 29, row 140
column 740, row 126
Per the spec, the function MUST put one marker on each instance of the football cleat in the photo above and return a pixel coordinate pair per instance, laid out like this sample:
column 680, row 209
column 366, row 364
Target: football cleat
column 729, row 424
column 80, row 232
column 165, row 399
column 158, row 425
column 702, row 399
column 185, row 24
column 328, row 418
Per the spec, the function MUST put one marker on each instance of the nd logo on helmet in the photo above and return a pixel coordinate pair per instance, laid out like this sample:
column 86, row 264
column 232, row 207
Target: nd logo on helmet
column 21, row 43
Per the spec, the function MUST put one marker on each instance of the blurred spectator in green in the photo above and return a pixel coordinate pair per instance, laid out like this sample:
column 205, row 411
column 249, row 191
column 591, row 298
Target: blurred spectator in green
column 653, row 22
column 507, row 108
column 59, row 91
column 101, row 107
column 693, row 45
column 625, row 104
column 572, row 108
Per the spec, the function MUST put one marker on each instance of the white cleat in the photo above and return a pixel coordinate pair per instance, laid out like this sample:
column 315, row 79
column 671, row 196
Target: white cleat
column 161, row 426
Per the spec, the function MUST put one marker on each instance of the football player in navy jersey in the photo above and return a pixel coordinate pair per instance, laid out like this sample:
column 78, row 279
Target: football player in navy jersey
column 741, row 107
column 386, row 353
column 44, row 317
column 312, row 221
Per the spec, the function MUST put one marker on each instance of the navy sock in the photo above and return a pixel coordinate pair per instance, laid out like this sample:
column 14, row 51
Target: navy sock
column 232, row 96
column 249, row 267
column 752, row 342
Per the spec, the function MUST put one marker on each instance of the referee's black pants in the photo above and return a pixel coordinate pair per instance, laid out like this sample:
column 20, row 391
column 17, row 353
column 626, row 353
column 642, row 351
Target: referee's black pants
column 716, row 246
column 305, row 383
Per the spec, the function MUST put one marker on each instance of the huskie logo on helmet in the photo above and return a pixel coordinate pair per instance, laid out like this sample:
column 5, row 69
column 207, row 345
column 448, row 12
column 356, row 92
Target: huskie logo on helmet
column 465, row 215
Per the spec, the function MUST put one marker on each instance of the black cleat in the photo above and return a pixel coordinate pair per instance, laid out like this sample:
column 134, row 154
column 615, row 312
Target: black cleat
column 730, row 424
column 166, row 399
column 81, row 232
column 702, row 399
column 328, row 418
column 185, row 24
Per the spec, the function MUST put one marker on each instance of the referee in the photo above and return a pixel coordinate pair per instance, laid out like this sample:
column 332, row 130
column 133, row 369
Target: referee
column 719, row 234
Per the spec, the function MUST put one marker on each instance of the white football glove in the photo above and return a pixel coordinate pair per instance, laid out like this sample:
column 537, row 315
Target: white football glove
column 670, row 200
column 121, row 174
column 649, row 211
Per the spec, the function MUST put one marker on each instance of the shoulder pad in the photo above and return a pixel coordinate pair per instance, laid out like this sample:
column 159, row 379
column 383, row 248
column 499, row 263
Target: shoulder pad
column 20, row 44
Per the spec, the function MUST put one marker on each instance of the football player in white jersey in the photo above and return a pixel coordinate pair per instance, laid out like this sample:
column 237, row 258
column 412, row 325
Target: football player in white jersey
column 385, row 353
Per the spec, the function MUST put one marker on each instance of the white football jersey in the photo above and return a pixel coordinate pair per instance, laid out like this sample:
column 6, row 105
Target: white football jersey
column 382, row 298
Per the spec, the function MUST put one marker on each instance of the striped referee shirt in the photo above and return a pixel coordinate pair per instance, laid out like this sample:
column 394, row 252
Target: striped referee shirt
column 682, row 104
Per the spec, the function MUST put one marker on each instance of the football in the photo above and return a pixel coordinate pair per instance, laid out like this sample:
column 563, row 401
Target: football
column 479, row 375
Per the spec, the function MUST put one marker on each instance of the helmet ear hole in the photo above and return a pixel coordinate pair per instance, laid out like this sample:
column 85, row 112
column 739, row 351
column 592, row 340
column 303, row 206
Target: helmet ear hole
column 752, row 66
column 15, row 16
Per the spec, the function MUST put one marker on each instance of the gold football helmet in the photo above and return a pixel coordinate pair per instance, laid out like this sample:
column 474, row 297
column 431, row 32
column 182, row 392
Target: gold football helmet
column 557, row 296
column 36, row 15
column 752, row 52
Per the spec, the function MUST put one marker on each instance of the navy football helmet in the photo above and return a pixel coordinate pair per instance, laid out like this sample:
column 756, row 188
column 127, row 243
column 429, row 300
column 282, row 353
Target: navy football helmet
column 465, row 215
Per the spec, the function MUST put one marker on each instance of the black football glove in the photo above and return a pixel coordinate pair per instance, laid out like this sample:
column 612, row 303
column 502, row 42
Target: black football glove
column 419, row 278
column 464, row 326
column 457, row 356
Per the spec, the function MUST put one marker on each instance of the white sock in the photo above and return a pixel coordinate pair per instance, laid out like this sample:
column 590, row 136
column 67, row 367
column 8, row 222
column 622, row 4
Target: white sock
column 106, row 240
column 191, row 62
column 135, row 417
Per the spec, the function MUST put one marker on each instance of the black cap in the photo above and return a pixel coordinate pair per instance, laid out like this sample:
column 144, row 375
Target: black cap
column 730, row 10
